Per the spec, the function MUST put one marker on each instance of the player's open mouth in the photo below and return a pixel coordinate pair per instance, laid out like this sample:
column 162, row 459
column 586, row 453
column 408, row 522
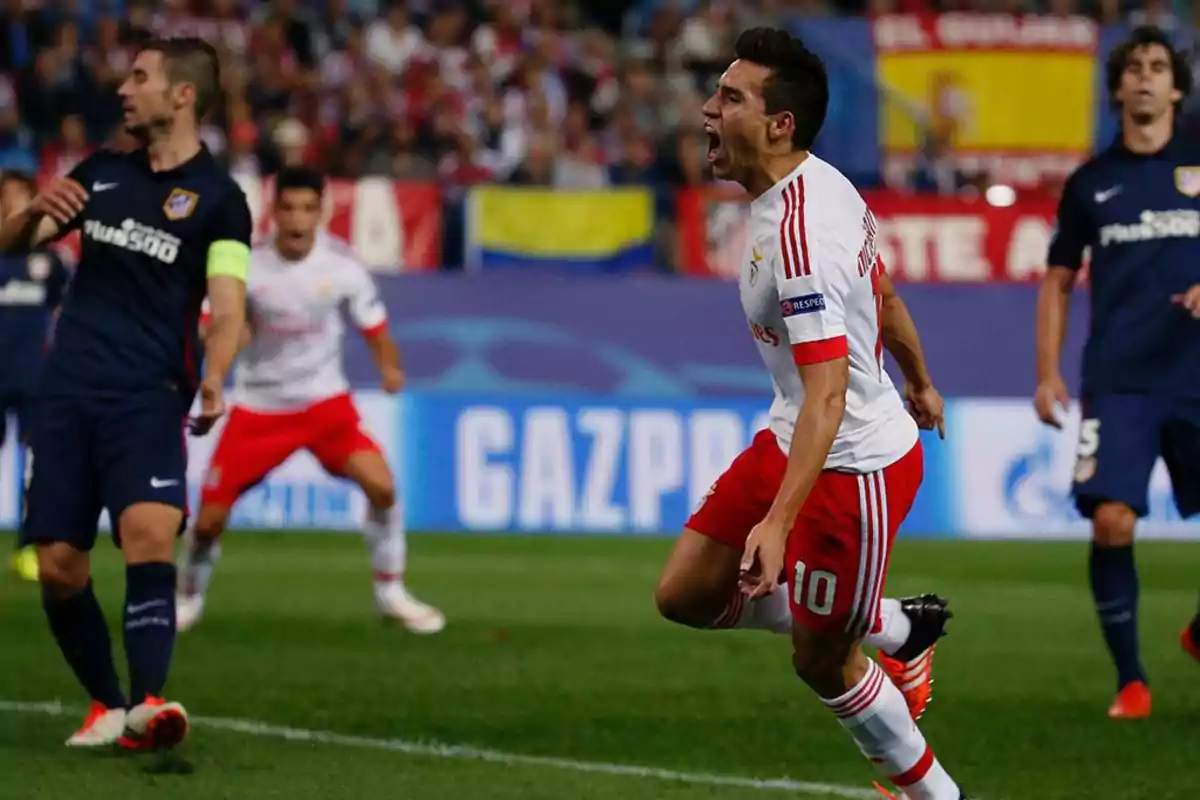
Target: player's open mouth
column 714, row 144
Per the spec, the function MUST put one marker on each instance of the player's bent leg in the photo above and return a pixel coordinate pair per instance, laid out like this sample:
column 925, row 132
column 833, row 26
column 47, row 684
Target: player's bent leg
column 81, row 631
column 198, row 558
column 1114, row 585
column 387, row 542
column 698, row 588
column 147, row 533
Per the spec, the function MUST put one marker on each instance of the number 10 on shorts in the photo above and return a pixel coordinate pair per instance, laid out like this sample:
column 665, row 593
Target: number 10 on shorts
column 814, row 590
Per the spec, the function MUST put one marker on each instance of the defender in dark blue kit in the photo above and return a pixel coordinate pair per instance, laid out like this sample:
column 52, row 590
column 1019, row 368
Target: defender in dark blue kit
column 161, row 227
column 1136, row 206
column 31, row 290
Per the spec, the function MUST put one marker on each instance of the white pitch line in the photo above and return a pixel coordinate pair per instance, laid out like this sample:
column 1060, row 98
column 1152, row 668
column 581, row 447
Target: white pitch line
column 463, row 752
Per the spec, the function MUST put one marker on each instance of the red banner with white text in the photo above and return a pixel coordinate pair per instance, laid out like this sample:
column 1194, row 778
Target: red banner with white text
column 391, row 226
column 921, row 238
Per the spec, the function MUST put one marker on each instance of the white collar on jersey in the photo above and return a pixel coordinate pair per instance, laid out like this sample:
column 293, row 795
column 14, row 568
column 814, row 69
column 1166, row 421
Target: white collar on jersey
column 772, row 195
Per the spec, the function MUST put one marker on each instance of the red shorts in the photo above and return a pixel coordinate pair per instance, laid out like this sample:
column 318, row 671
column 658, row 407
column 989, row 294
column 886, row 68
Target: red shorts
column 255, row 442
column 837, row 554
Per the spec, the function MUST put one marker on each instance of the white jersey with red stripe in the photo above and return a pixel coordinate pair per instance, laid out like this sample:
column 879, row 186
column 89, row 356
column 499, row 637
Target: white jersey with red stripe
column 294, row 309
column 809, row 286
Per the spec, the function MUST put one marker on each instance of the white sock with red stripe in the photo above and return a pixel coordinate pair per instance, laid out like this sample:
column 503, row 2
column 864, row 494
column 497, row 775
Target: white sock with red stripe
column 877, row 717
column 892, row 629
column 198, row 559
column 769, row 613
column 384, row 534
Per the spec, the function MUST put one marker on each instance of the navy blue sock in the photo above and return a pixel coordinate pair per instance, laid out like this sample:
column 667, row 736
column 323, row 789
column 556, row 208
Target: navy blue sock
column 1115, row 590
column 79, row 627
column 1196, row 627
column 149, row 627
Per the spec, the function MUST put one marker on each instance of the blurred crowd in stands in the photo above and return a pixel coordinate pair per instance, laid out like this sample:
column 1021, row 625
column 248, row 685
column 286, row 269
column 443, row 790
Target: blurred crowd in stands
column 553, row 92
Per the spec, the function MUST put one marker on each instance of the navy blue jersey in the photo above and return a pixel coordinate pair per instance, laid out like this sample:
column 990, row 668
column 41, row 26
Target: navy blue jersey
column 31, row 288
column 131, row 319
column 1140, row 216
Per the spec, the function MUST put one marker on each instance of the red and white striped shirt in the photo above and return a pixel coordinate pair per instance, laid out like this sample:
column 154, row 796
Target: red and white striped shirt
column 809, row 284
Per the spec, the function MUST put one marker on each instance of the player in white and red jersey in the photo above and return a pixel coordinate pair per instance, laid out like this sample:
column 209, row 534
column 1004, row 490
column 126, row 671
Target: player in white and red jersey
column 291, row 394
column 796, row 535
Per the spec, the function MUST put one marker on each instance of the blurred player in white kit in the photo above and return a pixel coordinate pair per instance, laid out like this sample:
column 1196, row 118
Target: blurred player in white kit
column 291, row 394
column 803, row 520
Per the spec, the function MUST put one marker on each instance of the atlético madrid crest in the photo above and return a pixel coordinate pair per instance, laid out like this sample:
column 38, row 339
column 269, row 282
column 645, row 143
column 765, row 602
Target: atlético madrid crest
column 1187, row 180
column 180, row 204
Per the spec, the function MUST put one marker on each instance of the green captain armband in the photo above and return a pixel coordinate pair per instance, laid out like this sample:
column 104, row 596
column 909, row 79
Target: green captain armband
column 230, row 258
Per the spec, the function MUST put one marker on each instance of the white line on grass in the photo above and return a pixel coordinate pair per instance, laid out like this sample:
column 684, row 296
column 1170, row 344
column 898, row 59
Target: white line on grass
column 467, row 753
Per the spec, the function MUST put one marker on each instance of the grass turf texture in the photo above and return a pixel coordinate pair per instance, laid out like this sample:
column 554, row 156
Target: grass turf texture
column 553, row 649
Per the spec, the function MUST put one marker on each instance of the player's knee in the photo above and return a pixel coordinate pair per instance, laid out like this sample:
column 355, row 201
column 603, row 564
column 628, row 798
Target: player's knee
column 679, row 603
column 148, row 532
column 62, row 570
column 1113, row 524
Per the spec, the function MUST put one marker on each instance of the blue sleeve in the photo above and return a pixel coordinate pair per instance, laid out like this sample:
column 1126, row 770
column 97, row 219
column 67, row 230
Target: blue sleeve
column 81, row 173
column 231, row 221
column 1074, row 231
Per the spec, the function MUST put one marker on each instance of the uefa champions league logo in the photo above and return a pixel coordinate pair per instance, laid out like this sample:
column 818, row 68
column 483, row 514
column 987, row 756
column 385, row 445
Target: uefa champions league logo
column 498, row 355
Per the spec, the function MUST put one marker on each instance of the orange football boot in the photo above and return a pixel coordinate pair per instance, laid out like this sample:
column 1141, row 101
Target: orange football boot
column 1132, row 702
column 1189, row 645
column 154, row 724
column 911, row 667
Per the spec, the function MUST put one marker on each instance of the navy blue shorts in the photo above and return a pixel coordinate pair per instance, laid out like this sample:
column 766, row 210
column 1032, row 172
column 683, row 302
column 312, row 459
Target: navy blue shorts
column 91, row 453
column 1122, row 437
column 19, row 403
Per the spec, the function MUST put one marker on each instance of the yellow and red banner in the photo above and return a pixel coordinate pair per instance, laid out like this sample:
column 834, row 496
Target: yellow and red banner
column 1012, row 95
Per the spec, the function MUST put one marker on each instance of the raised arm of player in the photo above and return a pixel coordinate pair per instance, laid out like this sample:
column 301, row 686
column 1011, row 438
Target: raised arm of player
column 901, row 339
column 54, row 211
column 369, row 315
column 1054, row 297
column 813, row 303
column 228, row 269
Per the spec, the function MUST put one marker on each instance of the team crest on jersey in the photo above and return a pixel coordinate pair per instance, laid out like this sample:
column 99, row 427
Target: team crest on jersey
column 1187, row 180
column 755, row 257
column 180, row 204
column 39, row 266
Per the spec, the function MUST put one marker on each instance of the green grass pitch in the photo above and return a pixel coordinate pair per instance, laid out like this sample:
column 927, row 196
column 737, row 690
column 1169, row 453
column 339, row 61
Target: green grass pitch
column 554, row 650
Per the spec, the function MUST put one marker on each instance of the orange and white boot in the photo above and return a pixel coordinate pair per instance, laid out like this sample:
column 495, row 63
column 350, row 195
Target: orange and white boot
column 154, row 724
column 102, row 727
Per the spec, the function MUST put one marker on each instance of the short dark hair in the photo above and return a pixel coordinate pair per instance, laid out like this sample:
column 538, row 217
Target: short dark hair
column 1146, row 36
column 299, row 178
column 27, row 181
column 188, row 59
column 798, row 82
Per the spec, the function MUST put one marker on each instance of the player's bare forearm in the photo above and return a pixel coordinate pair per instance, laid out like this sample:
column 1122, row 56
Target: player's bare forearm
column 900, row 336
column 901, row 339
column 816, row 428
column 26, row 230
column 1054, row 298
column 226, row 325
column 384, row 352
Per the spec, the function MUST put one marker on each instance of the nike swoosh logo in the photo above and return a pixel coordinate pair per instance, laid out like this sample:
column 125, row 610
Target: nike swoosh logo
column 103, row 187
column 144, row 606
column 1108, row 194
column 155, row 483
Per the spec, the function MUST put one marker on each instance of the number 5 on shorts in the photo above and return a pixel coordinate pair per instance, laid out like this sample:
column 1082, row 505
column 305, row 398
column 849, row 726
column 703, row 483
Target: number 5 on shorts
column 814, row 590
column 1085, row 455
